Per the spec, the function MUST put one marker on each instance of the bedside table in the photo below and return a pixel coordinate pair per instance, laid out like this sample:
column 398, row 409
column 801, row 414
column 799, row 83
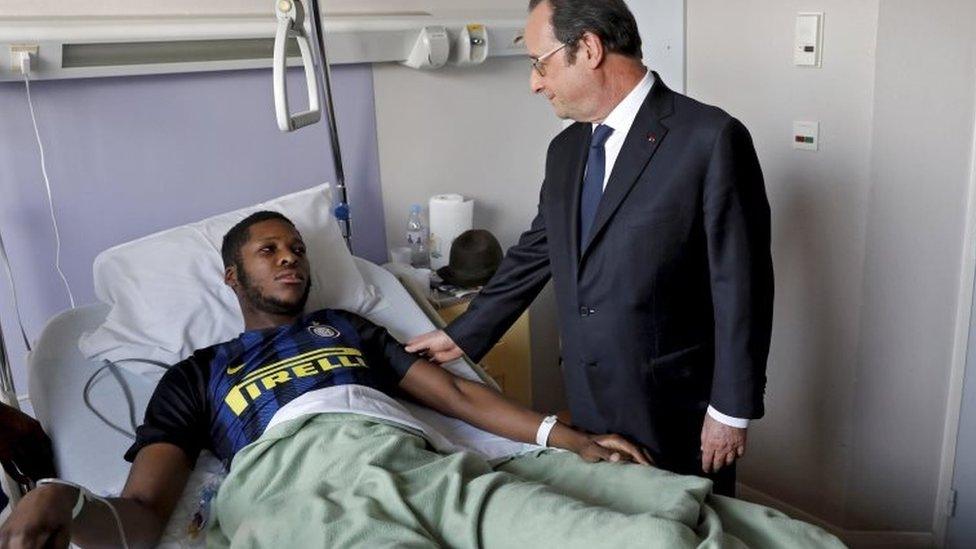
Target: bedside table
column 509, row 363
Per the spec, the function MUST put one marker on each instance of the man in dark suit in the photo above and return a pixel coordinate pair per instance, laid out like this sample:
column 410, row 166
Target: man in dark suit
column 654, row 226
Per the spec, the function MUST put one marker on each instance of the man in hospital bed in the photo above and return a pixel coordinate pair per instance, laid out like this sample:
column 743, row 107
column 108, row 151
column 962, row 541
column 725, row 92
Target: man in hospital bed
column 301, row 477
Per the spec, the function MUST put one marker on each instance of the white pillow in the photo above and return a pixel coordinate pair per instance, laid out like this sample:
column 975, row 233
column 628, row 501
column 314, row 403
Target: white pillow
column 167, row 293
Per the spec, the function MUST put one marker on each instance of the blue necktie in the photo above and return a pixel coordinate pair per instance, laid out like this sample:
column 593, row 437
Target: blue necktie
column 593, row 181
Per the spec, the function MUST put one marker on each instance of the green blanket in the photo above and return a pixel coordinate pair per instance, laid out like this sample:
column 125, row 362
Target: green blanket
column 340, row 480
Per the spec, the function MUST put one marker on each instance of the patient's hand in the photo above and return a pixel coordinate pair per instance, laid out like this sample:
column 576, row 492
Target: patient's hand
column 25, row 450
column 593, row 448
column 437, row 346
column 41, row 519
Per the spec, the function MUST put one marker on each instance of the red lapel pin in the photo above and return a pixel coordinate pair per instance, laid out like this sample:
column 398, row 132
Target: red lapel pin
column 652, row 138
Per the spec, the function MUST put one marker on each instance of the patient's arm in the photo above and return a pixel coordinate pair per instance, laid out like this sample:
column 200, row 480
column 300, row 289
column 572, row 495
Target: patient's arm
column 485, row 408
column 155, row 483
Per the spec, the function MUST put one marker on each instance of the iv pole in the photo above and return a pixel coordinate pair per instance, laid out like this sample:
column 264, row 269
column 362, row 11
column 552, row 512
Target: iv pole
column 325, row 73
column 293, row 22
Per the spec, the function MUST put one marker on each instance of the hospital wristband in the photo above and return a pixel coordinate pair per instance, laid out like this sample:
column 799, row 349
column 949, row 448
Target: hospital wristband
column 542, row 435
column 82, row 494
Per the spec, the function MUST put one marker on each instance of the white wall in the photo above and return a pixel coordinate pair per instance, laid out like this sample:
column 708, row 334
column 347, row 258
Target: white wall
column 662, row 29
column 479, row 132
column 920, row 164
column 867, row 241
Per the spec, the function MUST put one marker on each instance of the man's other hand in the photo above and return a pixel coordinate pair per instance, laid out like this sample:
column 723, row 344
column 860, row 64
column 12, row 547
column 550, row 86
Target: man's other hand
column 25, row 450
column 721, row 444
column 436, row 346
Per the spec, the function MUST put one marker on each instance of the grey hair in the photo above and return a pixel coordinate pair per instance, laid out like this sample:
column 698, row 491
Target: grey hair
column 610, row 20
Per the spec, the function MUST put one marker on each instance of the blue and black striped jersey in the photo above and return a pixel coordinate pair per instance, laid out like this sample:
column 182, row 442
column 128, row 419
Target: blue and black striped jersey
column 223, row 397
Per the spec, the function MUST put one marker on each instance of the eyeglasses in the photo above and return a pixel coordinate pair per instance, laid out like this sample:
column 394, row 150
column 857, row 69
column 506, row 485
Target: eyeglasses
column 538, row 63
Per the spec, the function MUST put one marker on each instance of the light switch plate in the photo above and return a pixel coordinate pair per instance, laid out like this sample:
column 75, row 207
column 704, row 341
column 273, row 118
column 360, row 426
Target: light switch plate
column 809, row 40
column 806, row 135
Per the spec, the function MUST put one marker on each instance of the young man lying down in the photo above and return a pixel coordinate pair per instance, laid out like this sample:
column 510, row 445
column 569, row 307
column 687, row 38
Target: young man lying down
column 301, row 477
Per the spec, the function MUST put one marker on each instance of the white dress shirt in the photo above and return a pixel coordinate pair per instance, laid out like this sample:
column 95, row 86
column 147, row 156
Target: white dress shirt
column 621, row 118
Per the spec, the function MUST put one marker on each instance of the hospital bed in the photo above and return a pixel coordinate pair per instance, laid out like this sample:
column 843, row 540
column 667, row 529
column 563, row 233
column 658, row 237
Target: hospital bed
column 89, row 451
column 88, row 392
column 87, row 406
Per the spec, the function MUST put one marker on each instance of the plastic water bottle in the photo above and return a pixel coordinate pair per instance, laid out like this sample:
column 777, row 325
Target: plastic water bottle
column 417, row 238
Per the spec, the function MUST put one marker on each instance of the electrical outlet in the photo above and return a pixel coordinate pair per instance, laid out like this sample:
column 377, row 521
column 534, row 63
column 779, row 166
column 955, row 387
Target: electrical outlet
column 806, row 135
column 16, row 50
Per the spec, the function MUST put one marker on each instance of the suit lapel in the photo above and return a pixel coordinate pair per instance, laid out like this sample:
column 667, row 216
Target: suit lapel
column 645, row 135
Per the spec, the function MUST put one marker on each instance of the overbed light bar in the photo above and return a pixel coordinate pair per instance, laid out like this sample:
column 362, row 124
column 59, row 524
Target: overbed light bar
column 120, row 46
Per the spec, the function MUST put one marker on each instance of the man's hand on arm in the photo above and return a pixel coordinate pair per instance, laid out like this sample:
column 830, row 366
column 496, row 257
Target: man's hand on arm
column 436, row 345
column 485, row 408
column 156, row 481
column 721, row 444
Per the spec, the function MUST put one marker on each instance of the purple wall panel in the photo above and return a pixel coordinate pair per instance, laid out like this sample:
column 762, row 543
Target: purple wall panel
column 131, row 156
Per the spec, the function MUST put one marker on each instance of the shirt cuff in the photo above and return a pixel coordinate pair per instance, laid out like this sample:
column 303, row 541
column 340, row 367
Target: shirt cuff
column 737, row 422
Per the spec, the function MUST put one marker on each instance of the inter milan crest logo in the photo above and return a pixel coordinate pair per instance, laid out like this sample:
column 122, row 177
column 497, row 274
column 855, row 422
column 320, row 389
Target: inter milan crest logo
column 322, row 330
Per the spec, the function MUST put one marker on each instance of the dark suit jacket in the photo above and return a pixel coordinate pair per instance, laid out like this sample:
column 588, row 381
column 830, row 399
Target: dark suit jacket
column 668, row 305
